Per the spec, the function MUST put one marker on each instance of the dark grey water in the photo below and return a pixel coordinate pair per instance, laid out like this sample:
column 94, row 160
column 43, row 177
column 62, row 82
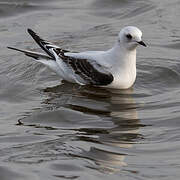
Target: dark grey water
column 67, row 131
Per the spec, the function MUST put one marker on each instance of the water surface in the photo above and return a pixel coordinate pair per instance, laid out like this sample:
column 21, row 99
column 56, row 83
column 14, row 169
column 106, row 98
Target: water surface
column 51, row 129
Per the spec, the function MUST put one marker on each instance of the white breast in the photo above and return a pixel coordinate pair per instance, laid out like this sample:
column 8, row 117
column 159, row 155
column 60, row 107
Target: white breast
column 124, row 71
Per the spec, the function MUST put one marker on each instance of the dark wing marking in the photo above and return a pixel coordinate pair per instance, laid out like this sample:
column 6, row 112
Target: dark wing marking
column 90, row 71
column 45, row 45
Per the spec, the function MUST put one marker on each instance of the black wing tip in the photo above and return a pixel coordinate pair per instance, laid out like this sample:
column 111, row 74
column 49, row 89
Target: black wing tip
column 13, row 48
column 105, row 80
column 30, row 31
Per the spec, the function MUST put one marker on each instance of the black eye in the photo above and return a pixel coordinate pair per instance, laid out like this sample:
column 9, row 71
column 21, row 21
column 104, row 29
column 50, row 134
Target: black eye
column 129, row 36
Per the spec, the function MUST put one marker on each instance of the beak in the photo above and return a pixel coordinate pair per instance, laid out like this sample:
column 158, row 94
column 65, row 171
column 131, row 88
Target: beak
column 142, row 43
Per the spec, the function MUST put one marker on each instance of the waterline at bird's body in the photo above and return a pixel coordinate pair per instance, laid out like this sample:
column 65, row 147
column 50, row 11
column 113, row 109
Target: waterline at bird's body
column 114, row 68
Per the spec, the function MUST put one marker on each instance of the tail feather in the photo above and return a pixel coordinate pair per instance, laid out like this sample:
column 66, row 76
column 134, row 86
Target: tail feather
column 51, row 50
column 45, row 45
column 35, row 55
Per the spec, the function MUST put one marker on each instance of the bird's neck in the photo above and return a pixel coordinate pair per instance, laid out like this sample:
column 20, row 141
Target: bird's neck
column 124, row 66
column 123, row 56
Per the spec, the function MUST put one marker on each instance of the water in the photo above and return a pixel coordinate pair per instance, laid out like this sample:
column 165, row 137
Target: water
column 55, row 130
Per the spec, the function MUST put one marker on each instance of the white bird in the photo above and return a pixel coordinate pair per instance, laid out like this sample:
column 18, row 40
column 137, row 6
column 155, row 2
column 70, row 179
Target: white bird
column 114, row 68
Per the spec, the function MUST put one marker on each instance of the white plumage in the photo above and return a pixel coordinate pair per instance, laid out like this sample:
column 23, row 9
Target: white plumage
column 114, row 68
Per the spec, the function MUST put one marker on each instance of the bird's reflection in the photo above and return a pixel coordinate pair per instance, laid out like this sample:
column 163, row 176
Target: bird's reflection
column 107, row 146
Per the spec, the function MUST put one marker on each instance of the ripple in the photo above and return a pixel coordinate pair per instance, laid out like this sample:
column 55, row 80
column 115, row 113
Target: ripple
column 172, row 46
column 67, row 131
column 10, row 9
column 8, row 173
column 159, row 75
column 122, row 9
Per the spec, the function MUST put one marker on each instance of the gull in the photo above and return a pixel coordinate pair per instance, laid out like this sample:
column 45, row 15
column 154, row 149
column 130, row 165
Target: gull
column 114, row 68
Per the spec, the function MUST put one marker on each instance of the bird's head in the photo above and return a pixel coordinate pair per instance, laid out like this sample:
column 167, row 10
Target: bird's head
column 130, row 37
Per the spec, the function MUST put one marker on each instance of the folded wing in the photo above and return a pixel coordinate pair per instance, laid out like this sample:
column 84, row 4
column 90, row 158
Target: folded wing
column 88, row 70
column 81, row 70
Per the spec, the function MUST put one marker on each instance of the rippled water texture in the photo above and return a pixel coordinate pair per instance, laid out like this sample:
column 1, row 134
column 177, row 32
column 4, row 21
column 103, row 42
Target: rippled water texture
column 55, row 130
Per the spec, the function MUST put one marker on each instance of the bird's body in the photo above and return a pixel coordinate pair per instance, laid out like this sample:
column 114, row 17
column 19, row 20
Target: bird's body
column 123, row 71
column 114, row 68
